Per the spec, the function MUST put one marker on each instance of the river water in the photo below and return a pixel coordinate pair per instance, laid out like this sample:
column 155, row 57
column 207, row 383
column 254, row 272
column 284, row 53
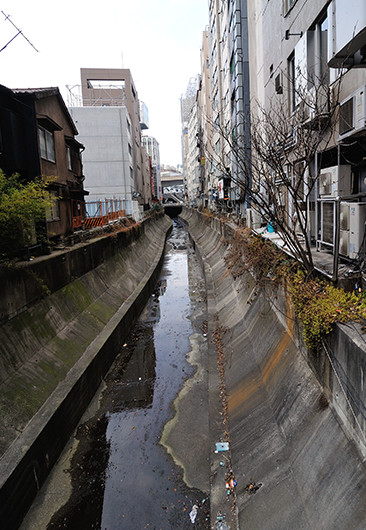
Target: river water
column 139, row 458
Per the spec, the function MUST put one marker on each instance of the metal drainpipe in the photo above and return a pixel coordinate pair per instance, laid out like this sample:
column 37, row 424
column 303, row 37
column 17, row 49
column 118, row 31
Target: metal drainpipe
column 336, row 241
column 316, row 201
column 337, row 223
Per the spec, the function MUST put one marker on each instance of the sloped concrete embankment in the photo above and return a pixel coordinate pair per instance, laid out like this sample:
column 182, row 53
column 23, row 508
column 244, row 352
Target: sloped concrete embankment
column 289, row 435
column 55, row 349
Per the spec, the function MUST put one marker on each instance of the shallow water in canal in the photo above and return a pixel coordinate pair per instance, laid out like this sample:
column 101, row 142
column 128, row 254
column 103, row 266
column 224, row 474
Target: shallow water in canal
column 139, row 458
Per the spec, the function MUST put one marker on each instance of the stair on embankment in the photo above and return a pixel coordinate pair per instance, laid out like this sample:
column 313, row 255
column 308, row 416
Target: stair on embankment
column 289, row 435
column 64, row 318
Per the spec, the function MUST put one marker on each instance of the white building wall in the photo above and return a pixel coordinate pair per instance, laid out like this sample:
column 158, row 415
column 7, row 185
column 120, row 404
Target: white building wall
column 220, row 89
column 152, row 148
column 193, row 163
column 107, row 159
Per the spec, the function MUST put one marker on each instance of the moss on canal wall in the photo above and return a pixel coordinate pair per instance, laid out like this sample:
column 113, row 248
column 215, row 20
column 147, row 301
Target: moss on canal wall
column 55, row 350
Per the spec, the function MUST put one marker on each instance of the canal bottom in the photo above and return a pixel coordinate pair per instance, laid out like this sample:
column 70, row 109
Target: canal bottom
column 139, row 458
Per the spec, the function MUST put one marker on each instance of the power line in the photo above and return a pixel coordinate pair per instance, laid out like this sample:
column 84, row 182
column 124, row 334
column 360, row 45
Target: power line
column 20, row 32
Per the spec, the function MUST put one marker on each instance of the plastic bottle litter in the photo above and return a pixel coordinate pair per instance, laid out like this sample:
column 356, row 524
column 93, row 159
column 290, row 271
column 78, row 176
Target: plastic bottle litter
column 193, row 513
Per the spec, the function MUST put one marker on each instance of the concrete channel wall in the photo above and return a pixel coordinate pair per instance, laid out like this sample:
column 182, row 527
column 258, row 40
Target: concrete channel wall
column 291, row 431
column 55, row 349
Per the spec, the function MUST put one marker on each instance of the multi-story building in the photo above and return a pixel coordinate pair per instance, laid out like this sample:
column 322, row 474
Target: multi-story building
column 110, row 125
column 239, row 97
column 152, row 148
column 205, row 125
column 308, row 59
column 221, row 163
column 193, row 165
column 187, row 102
column 304, row 61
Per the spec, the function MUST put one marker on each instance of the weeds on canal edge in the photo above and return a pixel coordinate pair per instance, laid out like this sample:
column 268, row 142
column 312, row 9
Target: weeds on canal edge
column 316, row 302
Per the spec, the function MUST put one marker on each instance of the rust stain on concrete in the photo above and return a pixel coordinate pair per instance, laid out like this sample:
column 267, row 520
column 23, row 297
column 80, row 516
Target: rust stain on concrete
column 247, row 389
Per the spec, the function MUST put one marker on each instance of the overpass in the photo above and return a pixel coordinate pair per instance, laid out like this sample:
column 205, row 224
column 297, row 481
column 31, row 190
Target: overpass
column 173, row 203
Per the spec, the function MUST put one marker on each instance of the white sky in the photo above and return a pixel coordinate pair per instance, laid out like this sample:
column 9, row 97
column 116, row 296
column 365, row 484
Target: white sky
column 158, row 40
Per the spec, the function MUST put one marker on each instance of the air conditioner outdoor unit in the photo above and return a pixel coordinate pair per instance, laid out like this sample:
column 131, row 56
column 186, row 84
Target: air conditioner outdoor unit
column 344, row 228
column 335, row 181
column 352, row 114
column 327, row 222
column 357, row 219
column 344, row 242
column 344, row 216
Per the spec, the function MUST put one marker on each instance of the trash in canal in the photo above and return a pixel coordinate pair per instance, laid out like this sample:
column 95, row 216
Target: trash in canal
column 193, row 513
column 220, row 522
column 222, row 446
column 230, row 484
column 252, row 487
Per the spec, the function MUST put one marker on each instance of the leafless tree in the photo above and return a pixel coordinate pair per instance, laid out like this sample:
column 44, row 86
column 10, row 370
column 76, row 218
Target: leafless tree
column 275, row 168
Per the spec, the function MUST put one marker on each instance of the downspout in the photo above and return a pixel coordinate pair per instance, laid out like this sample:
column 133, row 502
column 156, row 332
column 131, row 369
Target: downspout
column 337, row 223
column 336, row 240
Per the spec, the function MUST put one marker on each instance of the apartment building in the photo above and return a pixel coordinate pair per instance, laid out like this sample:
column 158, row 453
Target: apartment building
column 152, row 148
column 302, row 64
column 116, row 164
column 187, row 101
column 193, row 172
column 220, row 95
column 205, row 124
column 309, row 59
column 239, row 99
column 223, row 104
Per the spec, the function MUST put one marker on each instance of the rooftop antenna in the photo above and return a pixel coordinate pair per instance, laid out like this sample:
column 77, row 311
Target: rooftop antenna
column 7, row 17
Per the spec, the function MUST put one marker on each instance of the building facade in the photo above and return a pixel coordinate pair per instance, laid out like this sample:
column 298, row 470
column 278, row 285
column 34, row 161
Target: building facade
column 109, row 120
column 309, row 59
column 152, row 148
column 305, row 62
column 38, row 138
column 108, row 158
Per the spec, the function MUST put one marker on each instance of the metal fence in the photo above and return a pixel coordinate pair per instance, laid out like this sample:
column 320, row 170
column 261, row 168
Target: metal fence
column 97, row 213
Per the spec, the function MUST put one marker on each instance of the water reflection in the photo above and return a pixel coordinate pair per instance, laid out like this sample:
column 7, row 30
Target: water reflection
column 121, row 473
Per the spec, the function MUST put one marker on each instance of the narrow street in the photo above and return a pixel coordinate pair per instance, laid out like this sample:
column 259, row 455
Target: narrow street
column 140, row 455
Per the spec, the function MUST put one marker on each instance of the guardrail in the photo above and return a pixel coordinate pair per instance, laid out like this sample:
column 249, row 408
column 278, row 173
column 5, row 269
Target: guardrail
column 97, row 213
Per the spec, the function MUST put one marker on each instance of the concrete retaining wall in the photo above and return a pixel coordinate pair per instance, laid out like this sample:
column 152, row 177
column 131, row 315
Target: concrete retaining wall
column 289, row 434
column 55, row 351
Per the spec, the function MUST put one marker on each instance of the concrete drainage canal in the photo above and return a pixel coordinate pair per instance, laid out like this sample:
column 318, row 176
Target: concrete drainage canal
column 139, row 457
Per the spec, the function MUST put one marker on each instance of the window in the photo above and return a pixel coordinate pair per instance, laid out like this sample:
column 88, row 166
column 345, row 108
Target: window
column 216, row 100
column 232, row 65
column 53, row 212
column 46, row 144
column 224, row 37
column 217, row 146
column 317, row 53
column 214, row 54
column 68, row 157
column 292, row 81
column 278, row 84
column 214, row 78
